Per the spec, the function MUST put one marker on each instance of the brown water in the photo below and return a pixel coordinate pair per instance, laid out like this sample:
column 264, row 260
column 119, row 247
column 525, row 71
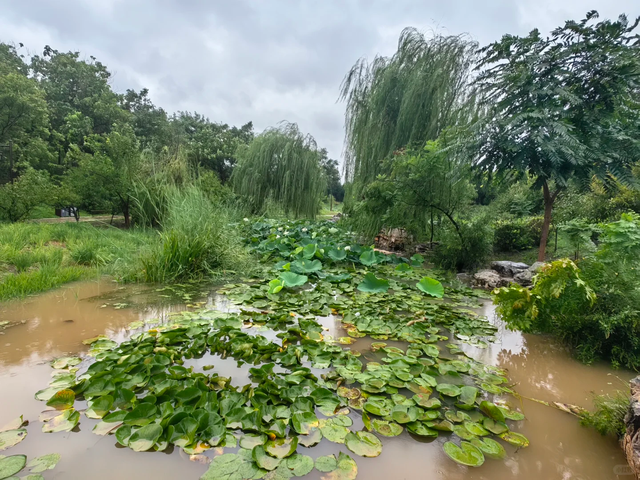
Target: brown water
column 55, row 323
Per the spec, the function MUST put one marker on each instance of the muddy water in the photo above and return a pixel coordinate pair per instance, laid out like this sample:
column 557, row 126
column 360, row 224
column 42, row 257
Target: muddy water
column 55, row 324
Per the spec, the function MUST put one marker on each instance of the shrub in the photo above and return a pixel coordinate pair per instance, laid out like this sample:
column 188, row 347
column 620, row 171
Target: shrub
column 592, row 306
column 608, row 417
column 516, row 234
column 197, row 240
column 468, row 252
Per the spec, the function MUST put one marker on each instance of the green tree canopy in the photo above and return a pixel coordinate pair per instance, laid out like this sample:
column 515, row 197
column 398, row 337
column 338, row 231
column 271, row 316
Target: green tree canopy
column 281, row 165
column 562, row 107
column 404, row 100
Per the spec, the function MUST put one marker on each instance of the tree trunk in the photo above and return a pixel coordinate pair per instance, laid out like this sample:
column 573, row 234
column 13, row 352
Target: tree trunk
column 127, row 217
column 549, row 199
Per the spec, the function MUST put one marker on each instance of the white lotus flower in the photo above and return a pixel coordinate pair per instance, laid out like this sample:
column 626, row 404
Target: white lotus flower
column 347, row 248
column 304, row 229
column 245, row 219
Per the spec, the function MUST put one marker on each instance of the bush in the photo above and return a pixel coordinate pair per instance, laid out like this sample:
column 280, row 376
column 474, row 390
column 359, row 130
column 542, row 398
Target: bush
column 468, row 252
column 197, row 240
column 608, row 417
column 593, row 305
column 517, row 234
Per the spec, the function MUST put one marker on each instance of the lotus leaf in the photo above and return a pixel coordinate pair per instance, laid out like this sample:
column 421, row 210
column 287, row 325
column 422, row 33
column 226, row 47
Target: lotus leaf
column 291, row 279
column 372, row 284
column 465, row 454
column 430, row 286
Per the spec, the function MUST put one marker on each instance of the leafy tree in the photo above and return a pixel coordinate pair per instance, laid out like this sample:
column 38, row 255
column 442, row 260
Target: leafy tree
column 208, row 144
column 28, row 191
column 73, row 85
column 404, row 100
column 332, row 175
column 281, row 165
column 106, row 177
column 150, row 123
column 562, row 107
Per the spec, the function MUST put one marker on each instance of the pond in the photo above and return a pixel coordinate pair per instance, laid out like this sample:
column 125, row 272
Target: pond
column 55, row 324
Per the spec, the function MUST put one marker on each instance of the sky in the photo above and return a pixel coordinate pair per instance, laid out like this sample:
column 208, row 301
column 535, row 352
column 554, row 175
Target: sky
column 236, row 61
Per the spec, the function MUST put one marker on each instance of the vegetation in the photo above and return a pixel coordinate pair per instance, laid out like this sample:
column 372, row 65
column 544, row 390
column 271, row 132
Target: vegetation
column 281, row 165
column 144, row 394
column 608, row 416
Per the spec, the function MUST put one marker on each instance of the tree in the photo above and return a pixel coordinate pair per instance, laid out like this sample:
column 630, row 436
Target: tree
column 28, row 191
column 281, row 165
column 335, row 189
column 107, row 176
column 562, row 107
column 405, row 100
column 149, row 122
column 208, row 144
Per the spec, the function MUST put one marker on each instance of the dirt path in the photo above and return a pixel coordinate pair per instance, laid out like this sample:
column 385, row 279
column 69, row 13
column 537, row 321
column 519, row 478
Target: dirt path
column 117, row 219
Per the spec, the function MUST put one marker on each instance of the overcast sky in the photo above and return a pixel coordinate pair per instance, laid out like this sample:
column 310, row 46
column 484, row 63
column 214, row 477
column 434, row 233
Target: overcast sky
column 264, row 61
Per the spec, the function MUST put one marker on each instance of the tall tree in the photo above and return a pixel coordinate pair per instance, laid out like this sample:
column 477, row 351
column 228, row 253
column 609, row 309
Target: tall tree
column 282, row 165
column 330, row 167
column 562, row 107
column 404, row 100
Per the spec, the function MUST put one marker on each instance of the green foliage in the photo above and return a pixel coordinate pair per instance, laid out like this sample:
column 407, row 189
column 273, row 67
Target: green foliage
column 28, row 191
column 513, row 234
column 579, row 233
column 609, row 413
column 283, row 165
column 196, row 240
column 465, row 249
column 591, row 306
column 556, row 111
column 404, row 100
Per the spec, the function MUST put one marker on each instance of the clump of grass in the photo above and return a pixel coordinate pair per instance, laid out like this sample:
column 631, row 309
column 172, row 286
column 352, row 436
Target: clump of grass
column 609, row 413
column 197, row 240
column 35, row 281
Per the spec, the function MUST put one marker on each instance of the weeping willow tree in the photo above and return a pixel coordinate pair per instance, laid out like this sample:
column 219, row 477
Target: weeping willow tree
column 404, row 100
column 281, row 165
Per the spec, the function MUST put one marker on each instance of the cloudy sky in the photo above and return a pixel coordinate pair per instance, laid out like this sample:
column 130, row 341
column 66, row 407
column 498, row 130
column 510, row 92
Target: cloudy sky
column 264, row 61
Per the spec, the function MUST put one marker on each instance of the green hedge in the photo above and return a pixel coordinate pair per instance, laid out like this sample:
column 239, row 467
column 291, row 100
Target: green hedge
column 517, row 233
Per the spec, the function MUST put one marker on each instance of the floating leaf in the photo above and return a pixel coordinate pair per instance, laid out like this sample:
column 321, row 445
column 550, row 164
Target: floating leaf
column 303, row 422
column 515, row 439
column 300, row 465
column 45, row 462
column 263, row 460
column 448, row 390
column 417, row 260
column 467, row 398
column 326, row 464
column 364, row 444
column 372, row 284
column 342, row 468
column 291, row 279
column 104, row 428
column 281, row 447
column 65, row 362
column 275, row 286
column 9, row 466
column 333, row 431
column 387, row 429
column 99, row 407
column 431, row 286
column 465, row 454
column 492, row 411
column 145, row 438
column 306, row 266
column 420, row 429
column 494, row 427
column 404, row 414
column 337, row 255
column 249, row 441
column 476, row 429
column 10, row 438
column 490, row 448
column 403, row 267
column 511, row 414
column 368, row 258
column 230, row 466
column 65, row 422
column 313, row 438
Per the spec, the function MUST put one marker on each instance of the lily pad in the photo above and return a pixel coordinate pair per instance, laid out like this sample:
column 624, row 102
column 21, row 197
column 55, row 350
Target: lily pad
column 9, row 466
column 490, row 448
column 230, row 466
column 249, row 441
column 448, row 390
column 494, row 427
column 342, row 468
column 431, row 286
column 45, row 462
column 281, row 447
column 476, row 428
column 364, row 444
column 387, row 429
column 62, row 400
column 263, row 460
column 10, row 438
column 99, row 407
column 465, row 454
column 303, row 422
column 65, row 422
column 145, row 438
column 326, row 463
column 291, row 279
column 333, row 431
column 492, row 411
column 515, row 439
column 420, row 429
column 372, row 284
column 313, row 438
column 300, row 465
column 467, row 398
column 368, row 258
column 65, row 362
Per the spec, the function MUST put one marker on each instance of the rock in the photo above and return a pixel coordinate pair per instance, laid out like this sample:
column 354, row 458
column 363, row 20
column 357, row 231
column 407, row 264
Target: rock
column 535, row 268
column 631, row 439
column 507, row 268
column 524, row 278
column 490, row 279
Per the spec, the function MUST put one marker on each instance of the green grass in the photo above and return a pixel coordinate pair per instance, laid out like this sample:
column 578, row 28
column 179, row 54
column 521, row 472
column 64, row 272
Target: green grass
column 609, row 413
column 38, row 257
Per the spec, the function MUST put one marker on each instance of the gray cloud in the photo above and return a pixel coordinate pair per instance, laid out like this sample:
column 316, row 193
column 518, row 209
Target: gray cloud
column 265, row 61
